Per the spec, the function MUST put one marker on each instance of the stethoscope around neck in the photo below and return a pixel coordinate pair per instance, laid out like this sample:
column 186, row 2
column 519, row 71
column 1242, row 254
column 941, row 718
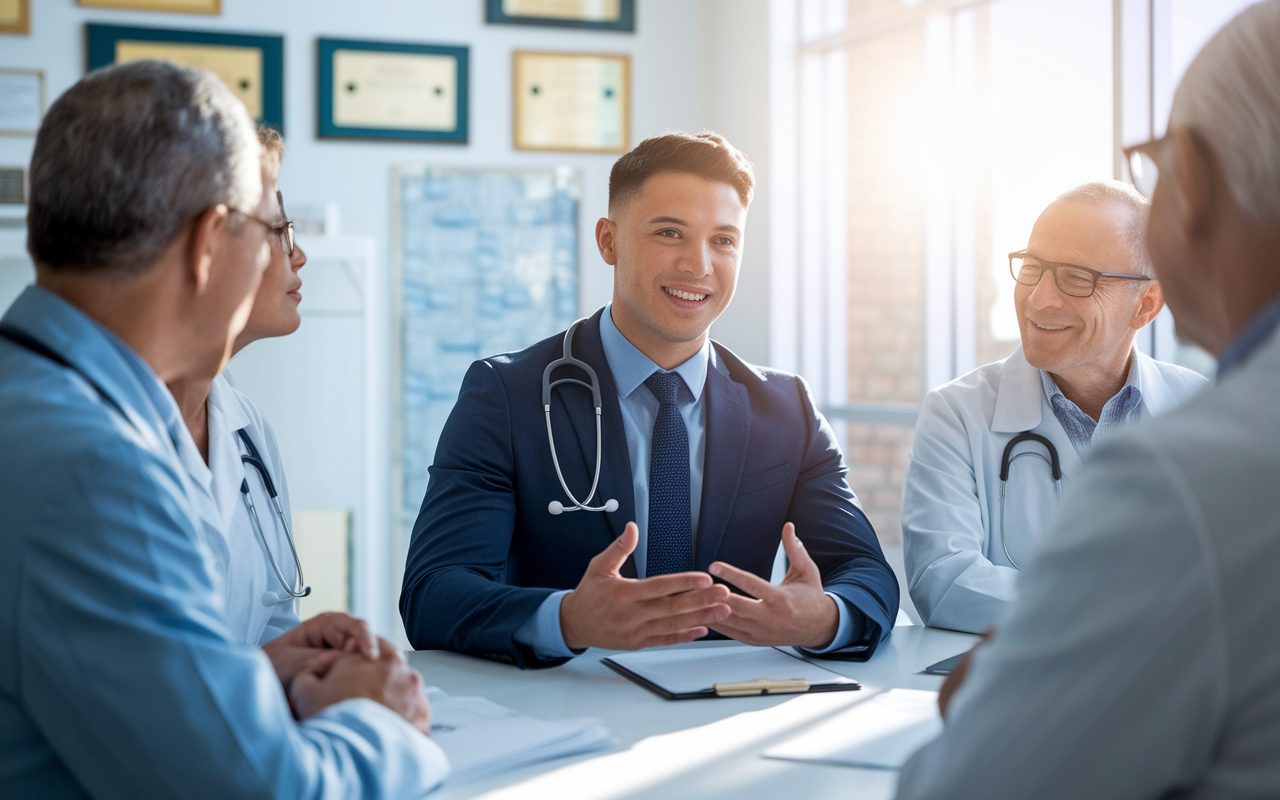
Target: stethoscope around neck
column 568, row 361
column 1055, row 468
column 254, row 459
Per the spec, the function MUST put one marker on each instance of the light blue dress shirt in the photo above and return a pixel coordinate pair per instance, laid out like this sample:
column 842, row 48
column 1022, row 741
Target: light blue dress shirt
column 1124, row 408
column 117, row 674
column 630, row 368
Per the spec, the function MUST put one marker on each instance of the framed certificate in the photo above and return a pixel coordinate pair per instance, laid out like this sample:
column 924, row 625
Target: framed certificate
column 572, row 101
column 15, row 16
column 251, row 66
column 182, row 6
column 388, row 90
column 608, row 15
column 21, row 101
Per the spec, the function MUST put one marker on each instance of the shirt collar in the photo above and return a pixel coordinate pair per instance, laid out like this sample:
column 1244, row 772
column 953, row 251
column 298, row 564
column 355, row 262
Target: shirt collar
column 1132, row 383
column 631, row 368
column 99, row 354
column 1248, row 340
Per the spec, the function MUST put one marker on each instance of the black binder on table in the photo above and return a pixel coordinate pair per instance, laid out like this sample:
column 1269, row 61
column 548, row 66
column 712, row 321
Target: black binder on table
column 734, row 671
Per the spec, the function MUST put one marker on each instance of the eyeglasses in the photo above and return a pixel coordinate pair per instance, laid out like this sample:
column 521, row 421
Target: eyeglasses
column 1143, row 170
column 284, row 230
column 1070, row 279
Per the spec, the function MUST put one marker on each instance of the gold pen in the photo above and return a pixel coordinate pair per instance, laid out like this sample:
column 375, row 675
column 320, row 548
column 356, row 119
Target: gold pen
column 761, row 686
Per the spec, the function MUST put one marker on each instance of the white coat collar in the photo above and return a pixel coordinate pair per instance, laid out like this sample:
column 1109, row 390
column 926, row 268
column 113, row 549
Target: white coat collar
column 1018, row 406
column 1019, row 395
column 1157, row 395
column 223, row 400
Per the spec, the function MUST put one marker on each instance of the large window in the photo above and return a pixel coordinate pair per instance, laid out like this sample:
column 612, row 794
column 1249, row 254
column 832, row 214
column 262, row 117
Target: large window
column 920, row 140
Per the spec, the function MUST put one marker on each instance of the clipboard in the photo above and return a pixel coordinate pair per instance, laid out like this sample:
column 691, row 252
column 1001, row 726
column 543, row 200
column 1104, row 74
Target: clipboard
column 736, row 671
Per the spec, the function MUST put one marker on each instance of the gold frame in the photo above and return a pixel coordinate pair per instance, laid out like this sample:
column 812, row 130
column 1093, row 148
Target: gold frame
column 518, row 101
column 23, row 26
column 39, row 74
column 164, row 6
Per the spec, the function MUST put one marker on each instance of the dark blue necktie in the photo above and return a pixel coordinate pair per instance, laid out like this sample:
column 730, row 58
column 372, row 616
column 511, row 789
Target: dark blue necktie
column 670, row 536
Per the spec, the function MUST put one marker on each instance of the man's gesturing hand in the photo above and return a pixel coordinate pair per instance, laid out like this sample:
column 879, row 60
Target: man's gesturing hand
column 386, row 679
column 608, row 610
column 796, row 612
column 319, row 639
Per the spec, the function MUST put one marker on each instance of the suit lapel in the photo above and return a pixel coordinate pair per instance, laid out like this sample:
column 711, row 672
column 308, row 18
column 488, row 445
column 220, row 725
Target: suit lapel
column 728, row 432
column 615, row 471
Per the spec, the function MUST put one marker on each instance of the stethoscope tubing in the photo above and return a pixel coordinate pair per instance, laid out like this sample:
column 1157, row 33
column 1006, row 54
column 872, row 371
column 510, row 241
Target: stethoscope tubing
column 555, row 507
column 253, row 459
column 1007, row 459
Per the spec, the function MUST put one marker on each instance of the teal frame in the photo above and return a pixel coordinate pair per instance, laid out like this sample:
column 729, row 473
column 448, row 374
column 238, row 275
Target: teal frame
column 328, row 129
column 626, row 18
column 101, row 40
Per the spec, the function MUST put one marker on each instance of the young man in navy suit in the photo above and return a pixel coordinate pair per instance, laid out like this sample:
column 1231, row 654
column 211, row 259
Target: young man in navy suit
column 704, row 461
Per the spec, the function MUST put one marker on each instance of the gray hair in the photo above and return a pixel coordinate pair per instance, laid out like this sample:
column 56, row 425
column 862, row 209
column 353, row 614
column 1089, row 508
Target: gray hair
column 1104, row 192
column 1230, row 97
column 128, row 157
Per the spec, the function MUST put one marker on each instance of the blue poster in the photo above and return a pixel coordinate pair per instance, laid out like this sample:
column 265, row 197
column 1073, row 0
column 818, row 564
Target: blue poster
column 488, row 263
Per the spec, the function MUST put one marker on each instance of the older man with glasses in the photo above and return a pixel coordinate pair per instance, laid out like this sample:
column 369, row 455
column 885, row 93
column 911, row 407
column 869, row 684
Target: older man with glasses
column 994, row 448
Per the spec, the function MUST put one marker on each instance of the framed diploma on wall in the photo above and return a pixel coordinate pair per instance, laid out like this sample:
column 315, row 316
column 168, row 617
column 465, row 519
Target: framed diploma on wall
column 572, row 101
column 390, row 90
column 15, row 16
column 608, row 15
column 251, row 66
column 21, row 101
column 181, row 6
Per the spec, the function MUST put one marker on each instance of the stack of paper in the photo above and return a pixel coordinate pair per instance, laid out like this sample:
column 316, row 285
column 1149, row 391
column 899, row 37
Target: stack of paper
column 882, row 732
column 482, row 738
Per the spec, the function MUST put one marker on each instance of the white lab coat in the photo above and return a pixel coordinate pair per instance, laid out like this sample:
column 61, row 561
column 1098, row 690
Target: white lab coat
column 958, row 573
column 234, row 554
column 1140, row 659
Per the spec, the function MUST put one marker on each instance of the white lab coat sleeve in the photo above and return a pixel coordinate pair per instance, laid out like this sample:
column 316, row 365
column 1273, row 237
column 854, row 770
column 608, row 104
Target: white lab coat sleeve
column 951, row 581
column 284, row 616
column 1108, row 677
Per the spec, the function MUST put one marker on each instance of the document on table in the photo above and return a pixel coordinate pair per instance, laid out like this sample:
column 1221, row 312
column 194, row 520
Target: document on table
column 482, row 738
column 882, row 732
column 694, row 672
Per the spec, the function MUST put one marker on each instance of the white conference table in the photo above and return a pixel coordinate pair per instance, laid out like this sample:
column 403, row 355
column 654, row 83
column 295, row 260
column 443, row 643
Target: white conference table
column 685, row 748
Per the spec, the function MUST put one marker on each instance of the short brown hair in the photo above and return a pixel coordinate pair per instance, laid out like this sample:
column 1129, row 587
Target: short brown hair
column 708, row 155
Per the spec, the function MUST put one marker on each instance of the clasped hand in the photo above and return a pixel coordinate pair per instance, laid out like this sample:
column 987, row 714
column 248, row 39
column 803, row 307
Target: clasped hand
column 610, row 611
column 334, row 657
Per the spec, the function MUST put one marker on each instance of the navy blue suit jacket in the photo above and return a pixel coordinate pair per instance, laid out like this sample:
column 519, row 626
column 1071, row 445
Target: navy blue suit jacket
column 486, row 552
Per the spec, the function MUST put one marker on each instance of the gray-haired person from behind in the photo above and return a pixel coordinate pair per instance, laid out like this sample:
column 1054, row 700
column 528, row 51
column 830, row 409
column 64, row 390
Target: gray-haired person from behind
column 117, row 674
column 1140, row 659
